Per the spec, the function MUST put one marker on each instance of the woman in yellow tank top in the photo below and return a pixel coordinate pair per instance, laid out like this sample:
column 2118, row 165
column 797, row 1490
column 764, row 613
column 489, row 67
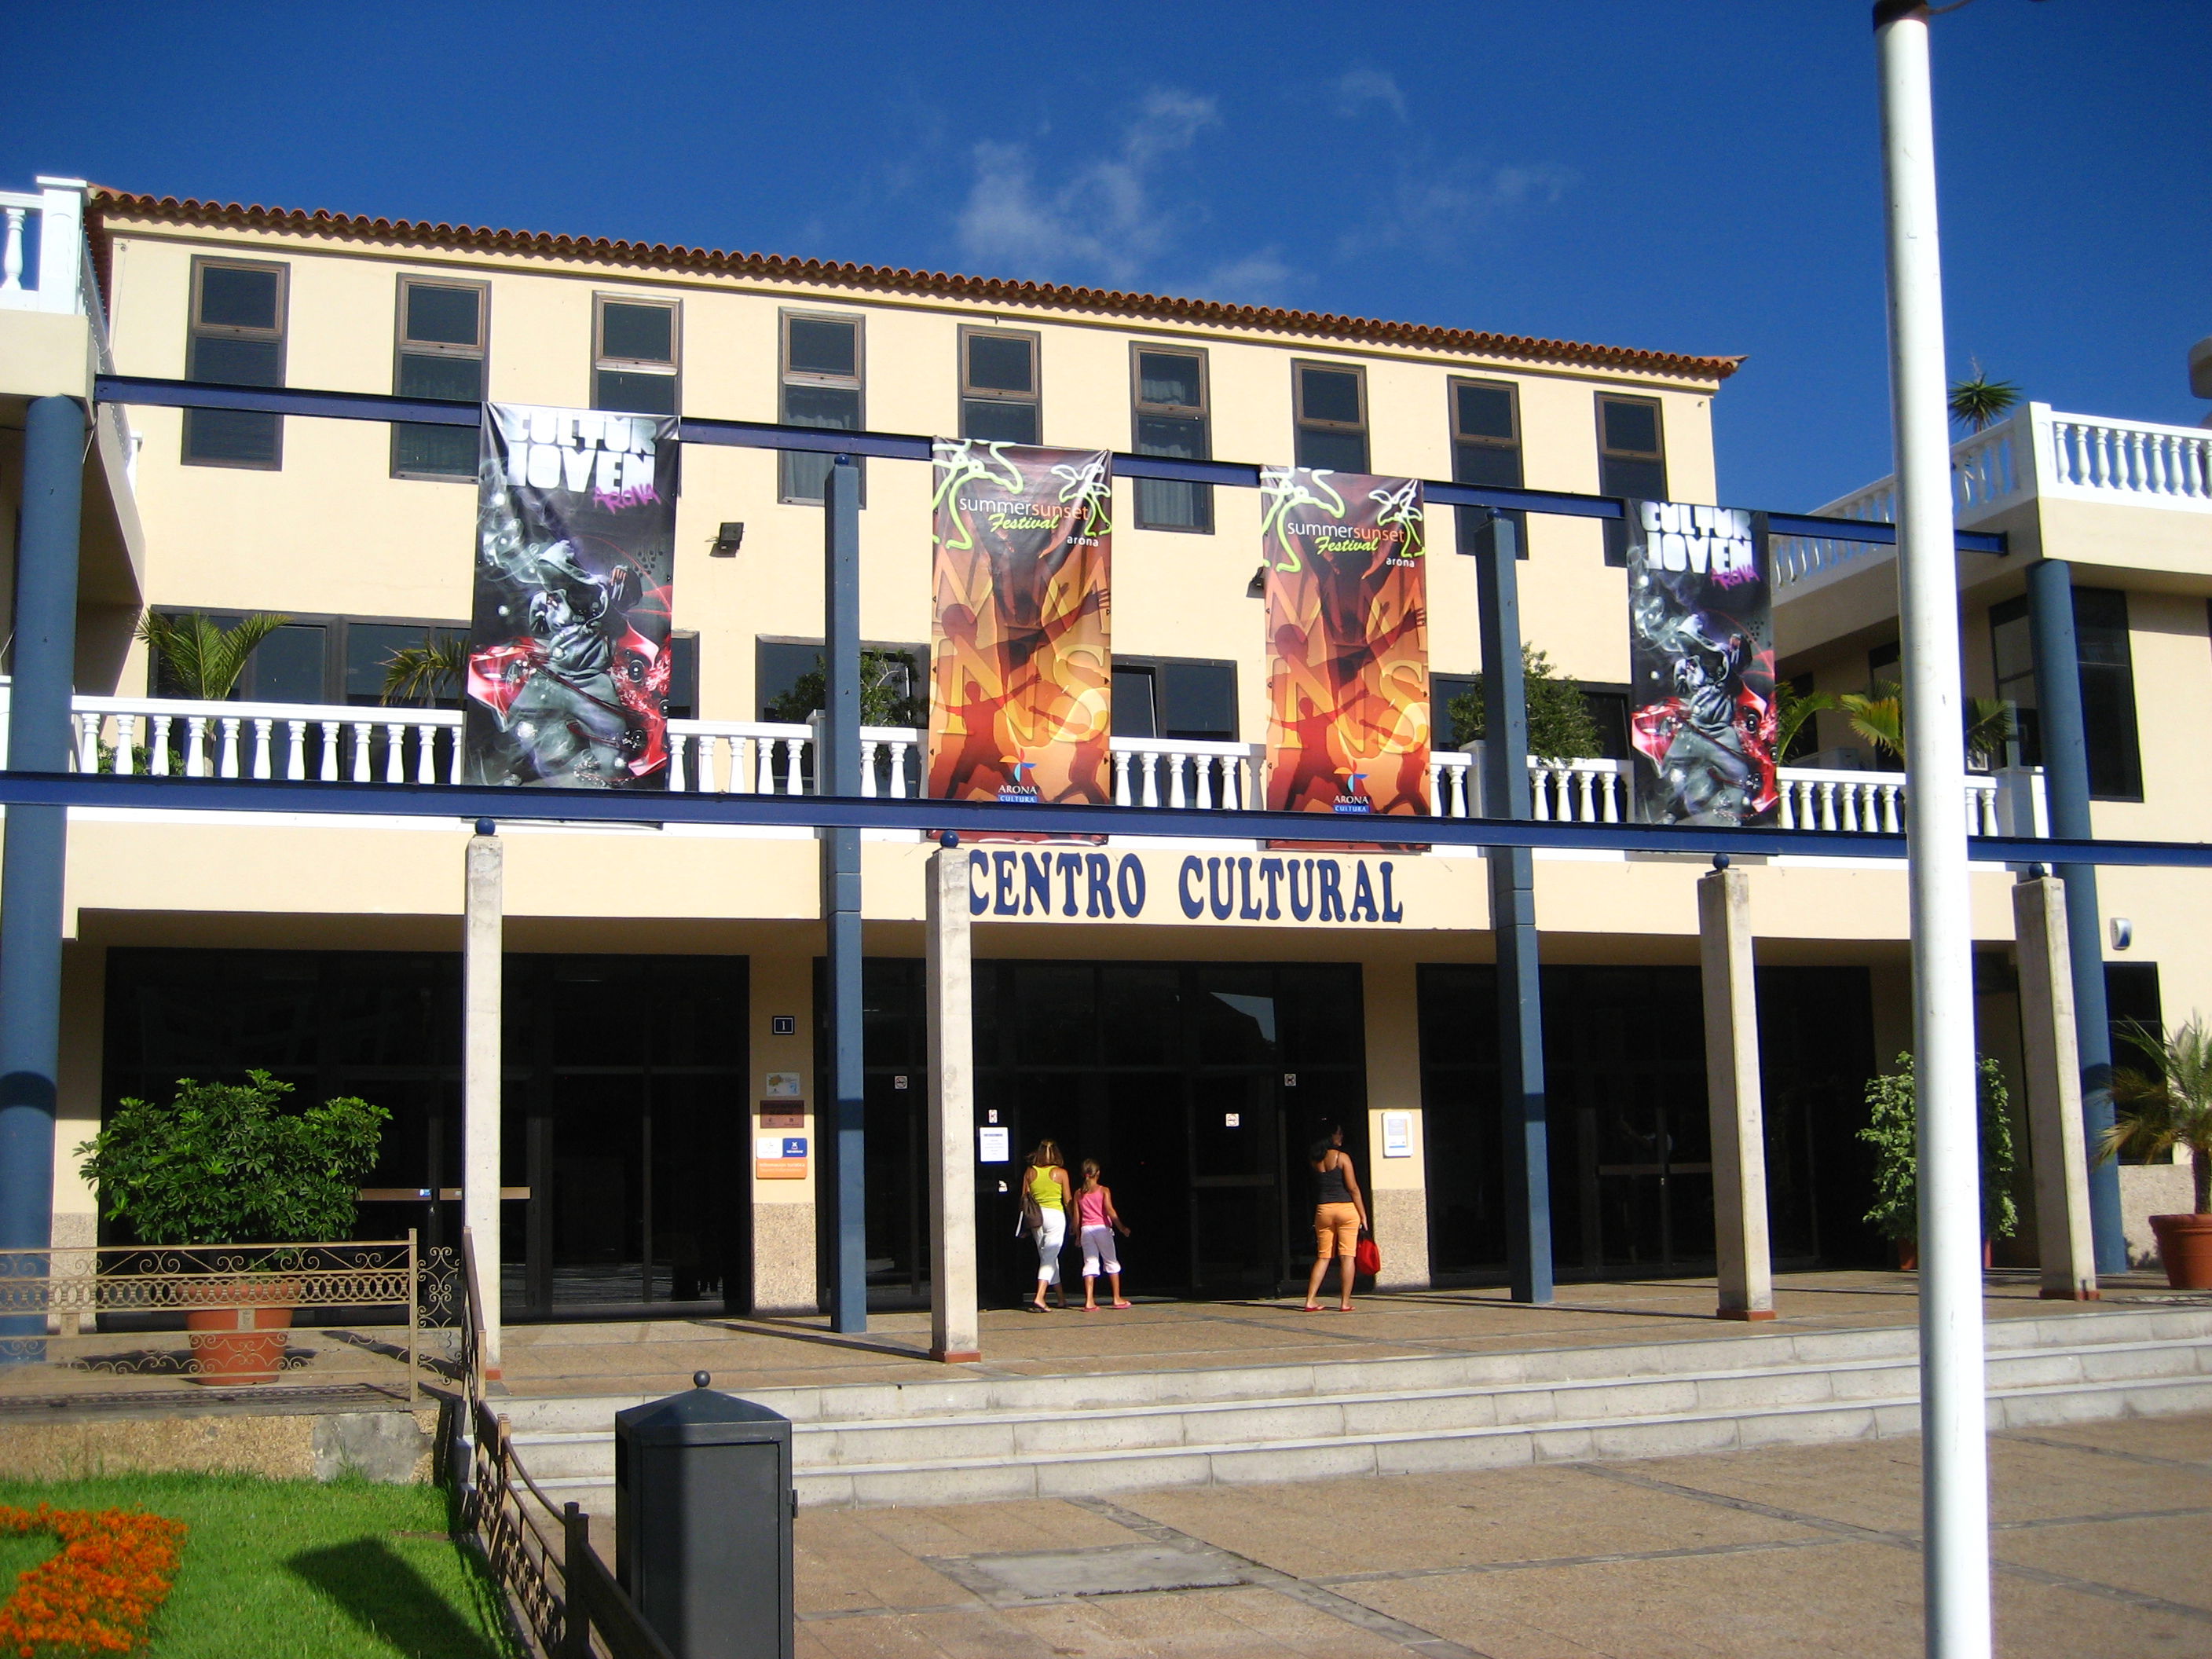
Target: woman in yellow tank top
column 1044, row 1206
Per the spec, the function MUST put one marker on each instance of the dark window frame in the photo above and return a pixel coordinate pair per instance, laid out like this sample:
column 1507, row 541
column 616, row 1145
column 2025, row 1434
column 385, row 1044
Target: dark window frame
column 2116, row 773
column 1154, row 666
column 969, row 392
column 787, row 461
column 1201, row 412
column 335, row 626
column 1616, row 530
column 1472, row 523
column 1301, row 422
column 671, row 369
column 403, row 348
column 195, row 331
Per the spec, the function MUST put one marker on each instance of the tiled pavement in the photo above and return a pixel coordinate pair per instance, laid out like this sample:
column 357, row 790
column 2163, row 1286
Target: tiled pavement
column 2102, row 1540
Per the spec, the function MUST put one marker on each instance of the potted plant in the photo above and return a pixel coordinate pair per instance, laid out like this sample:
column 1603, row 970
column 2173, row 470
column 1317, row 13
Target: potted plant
column 2167, row 1105
column 226, row 1165
column 1892, row 1131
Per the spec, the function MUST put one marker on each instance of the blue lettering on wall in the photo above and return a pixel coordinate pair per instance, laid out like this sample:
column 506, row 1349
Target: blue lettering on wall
column 1129, row 880
column 1363, row 896
column 1331, row 874
column 1194, row 902
column 1037, row 883
column 1100, row 871
column 1220, row 896
column 1271, row 871
column 979, row 898
column 1392, row 911
column 1003, row 902
column 1070, row 865
column 1246, row 910
column 1302, row 908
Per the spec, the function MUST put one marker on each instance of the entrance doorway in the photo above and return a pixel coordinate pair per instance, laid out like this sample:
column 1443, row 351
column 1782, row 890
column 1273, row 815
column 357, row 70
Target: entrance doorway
column 1630, row 1166
column 1195, row 1087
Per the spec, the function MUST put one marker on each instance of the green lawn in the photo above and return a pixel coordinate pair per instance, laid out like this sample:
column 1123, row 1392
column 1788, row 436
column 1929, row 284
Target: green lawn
column 293, row 1569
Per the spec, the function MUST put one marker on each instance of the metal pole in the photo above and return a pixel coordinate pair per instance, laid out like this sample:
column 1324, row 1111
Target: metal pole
column 1954, row 1455
column 837, row 772
column 1521, row 1089
column 2066, row 790
column 483, row 1022
column 36, row 846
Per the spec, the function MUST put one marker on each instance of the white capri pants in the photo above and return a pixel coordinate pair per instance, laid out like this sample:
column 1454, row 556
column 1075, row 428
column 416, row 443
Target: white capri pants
column 1051, row 1235
column 1098, row 1255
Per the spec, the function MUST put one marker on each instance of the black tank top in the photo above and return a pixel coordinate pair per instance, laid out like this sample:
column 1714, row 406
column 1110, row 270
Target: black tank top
column 1329, row 1187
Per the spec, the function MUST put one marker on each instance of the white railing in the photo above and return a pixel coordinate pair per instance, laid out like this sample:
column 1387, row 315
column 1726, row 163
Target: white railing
column 162, row 737
column 2035, row 452
column 57, row 211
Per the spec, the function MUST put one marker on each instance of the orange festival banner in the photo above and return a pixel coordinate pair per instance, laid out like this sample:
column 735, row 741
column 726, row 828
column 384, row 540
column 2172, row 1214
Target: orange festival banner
column 1347, row 642
column 1021, row 667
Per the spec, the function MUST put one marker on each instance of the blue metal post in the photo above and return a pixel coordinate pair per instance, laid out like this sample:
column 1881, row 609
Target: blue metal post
column 1522, row 1097
column 837, row 772
column 31, row 866
column 2066, row 786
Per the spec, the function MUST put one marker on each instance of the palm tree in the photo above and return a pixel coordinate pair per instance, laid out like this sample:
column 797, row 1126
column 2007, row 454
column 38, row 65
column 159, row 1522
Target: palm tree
column 1793, row 709
column 1981, row 401
column 1878, row 715
column 199, row 657
column 429, row 670
column 2167, row 1105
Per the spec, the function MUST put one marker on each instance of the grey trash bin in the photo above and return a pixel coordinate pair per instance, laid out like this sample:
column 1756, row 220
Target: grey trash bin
column 703, row 1505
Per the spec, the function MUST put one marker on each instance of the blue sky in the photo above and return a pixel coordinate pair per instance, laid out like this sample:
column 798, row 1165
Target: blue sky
column 1695, row 178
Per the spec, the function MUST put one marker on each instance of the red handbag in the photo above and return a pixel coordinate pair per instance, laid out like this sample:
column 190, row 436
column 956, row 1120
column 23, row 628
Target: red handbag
column 1367, row 1256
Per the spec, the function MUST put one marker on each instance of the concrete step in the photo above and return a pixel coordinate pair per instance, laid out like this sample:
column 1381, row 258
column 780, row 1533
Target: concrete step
column 968, row 1438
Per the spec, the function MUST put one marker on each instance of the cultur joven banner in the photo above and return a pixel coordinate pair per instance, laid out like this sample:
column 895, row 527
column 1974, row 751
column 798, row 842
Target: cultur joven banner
column 1347, row 642
column 1701, row 665
column 568, row 657
column 1021, row 668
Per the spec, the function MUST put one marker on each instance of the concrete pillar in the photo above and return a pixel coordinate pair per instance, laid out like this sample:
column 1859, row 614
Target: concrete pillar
column 2065, row 1242
column 482, row 961
column 1732, row 1096
column 1395, row 1164
column 955, row 1332
column 33, row 862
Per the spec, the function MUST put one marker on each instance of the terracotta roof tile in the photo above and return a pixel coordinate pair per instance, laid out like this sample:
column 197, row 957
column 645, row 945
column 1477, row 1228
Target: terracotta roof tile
column 105, row 204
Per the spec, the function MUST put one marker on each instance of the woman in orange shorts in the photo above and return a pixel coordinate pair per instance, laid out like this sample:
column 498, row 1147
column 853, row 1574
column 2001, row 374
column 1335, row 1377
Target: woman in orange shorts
column 1339, row 1215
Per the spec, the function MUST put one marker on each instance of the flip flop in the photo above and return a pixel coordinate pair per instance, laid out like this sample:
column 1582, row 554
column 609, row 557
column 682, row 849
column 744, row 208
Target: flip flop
column 1310, row 1307
column 1090, row 1307
column 1122, row 1304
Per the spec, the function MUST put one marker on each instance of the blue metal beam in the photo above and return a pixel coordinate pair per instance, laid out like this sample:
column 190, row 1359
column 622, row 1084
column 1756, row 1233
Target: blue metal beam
column 586, row 807
column 905, row 446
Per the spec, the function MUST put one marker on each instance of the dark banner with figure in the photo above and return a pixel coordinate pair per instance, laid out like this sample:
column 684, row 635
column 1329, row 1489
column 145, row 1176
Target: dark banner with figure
column 1021, row 667
column 1347, row 642
column 1701, row 665
column 568, row 652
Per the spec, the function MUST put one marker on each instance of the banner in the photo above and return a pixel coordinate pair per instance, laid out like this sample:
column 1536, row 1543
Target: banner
column 1347, row 642
column 1021, row 669
column 1701, row 665
column 568, row 658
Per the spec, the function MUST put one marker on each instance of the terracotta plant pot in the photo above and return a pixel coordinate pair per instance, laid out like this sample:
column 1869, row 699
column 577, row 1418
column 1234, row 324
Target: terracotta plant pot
column 236, row 1345
column 2184, row 1245
column 1908, row 1254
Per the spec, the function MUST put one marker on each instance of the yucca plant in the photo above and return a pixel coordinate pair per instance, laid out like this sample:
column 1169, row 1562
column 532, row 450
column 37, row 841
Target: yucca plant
column 1982, row 402
column 429, row 670
column 2167, row 1105
column 200, row 658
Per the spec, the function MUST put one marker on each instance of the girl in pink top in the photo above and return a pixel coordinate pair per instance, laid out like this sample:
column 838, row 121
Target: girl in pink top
column 1095, row 1216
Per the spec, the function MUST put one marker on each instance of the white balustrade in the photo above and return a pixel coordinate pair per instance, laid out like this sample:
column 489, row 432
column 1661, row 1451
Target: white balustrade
column 1198, row 773
column 58, row 207
column 166, row 737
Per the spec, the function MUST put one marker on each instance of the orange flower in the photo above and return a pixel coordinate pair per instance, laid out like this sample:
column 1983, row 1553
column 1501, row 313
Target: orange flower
column 99, row 1593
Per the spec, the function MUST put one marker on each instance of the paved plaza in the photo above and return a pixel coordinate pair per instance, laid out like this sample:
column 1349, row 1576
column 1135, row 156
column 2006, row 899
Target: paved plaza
column 2101, row 1538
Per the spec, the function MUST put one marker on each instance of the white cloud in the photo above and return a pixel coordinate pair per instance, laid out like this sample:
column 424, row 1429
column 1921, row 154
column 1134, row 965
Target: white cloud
column 1260, row 278
column 1102, row 221
column 1356, row 88
column 1435, row 208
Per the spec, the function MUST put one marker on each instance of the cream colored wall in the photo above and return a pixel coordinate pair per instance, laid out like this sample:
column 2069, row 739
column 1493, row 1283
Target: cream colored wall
column 333, row 533
column 1397, row 1197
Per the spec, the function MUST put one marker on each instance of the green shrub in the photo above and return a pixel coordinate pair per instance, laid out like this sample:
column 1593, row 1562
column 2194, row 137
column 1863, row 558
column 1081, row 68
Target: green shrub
column 1892, row 1132
column 225, row 1163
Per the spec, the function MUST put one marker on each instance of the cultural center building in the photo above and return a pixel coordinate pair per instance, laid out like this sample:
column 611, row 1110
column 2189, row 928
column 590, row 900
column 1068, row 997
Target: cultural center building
column 1185, row 1011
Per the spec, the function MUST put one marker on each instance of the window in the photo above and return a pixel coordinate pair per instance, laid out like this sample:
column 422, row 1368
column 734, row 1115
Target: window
column 1632, row 461
column 440, row 354
column 1172, row 698
column 1451, row 728
column 998, row 393
column 1485, row 432
column 684, row 677
column 821, row 386
column 2132, row 1004
column 1332, row 416
column 781, row 666
column 2108, row 693
column 237, row 339
column 634, row 355
column 2106, row 665
column 1170, row 416
column 1882, row 664
column 324, row 659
